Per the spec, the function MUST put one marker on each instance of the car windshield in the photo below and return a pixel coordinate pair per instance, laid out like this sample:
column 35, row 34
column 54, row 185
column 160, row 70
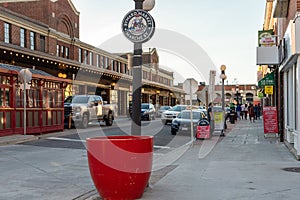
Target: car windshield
column 178, row 108
column 187, row 115
column 145, row 106
column 77, row 99
column 165, row 108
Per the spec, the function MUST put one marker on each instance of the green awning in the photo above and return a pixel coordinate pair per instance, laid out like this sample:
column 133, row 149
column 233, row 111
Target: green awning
column 267, row 80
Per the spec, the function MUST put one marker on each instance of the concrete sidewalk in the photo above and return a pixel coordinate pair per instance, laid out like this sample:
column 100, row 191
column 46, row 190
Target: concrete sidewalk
column 244, row 165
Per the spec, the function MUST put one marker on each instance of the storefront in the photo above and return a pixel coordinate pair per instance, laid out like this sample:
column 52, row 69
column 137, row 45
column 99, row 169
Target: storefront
column 44, row 102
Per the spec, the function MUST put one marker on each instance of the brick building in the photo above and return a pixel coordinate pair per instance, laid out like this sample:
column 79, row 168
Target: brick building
column 44, row 35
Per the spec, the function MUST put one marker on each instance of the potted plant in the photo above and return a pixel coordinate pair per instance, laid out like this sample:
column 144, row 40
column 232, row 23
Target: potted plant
column 120, row 166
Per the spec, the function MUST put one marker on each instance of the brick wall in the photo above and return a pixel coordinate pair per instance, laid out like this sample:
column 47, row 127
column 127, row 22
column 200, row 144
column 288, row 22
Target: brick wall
column 58, row 15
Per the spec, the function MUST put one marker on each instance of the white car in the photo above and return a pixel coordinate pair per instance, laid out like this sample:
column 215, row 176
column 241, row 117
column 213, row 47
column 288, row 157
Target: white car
column 169, row 115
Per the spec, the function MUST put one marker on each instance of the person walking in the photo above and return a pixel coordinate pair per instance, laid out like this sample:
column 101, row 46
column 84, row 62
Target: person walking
column 246, row 111
column 210, row 117
column 251, row 113
column 238, row 110
column 255, row 112
column 242, row 111
column 258, row 111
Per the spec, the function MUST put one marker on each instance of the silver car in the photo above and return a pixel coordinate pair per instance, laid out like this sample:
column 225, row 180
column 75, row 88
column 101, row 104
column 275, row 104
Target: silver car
column 182, row 123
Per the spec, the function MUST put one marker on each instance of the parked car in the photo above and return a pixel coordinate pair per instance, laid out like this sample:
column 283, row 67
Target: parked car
column 163, row 109
column 182, row 123
column 169, row 115
column 82, row 109
column 147, row 111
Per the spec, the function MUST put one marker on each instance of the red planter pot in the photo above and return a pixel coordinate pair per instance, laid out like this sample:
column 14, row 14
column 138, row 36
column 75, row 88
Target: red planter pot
column 120, row 166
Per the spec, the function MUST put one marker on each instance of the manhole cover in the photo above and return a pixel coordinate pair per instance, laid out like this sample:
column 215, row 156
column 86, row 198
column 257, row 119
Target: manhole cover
column 292, row 169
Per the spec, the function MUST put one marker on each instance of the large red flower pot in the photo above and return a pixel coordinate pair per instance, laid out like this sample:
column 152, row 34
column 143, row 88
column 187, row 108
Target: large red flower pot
column 120, row 166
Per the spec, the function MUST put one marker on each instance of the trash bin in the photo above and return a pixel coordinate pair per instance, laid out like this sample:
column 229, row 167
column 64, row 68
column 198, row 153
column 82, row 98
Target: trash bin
column 232, row 118
column 203, row 129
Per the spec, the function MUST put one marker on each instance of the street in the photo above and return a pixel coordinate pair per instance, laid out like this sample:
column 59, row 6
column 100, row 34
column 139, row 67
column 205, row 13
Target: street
column 56, row 167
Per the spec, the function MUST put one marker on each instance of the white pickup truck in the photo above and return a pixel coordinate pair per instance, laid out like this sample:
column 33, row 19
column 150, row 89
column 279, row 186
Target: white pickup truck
column 82, row 109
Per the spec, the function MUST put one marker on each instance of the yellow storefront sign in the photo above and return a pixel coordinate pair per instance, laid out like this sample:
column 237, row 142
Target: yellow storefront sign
column 269, row 89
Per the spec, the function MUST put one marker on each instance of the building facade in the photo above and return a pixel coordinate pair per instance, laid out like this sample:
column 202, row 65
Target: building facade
column 47, row 39
column 282, row 18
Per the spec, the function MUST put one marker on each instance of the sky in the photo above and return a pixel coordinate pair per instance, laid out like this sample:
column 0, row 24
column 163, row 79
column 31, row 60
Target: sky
column 192, row 36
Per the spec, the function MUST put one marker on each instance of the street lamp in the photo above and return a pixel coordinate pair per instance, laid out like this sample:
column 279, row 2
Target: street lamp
column 137, row 61
column 223, row 77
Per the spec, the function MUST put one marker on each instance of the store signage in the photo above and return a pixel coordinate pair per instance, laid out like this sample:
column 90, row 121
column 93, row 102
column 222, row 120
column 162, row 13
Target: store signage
column 270, row 119
column 267, row 80
column 138, row 26
column 266, row 38
column 269, row 89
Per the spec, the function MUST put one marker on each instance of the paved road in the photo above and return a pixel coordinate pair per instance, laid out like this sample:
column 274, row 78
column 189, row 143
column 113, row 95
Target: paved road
column 56, row 167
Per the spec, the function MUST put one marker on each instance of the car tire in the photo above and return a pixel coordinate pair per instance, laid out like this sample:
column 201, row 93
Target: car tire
column 173, row 132
column 85, row 121
column 109, row 120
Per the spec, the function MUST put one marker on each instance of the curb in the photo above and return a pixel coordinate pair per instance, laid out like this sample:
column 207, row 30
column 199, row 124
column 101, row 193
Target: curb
column 16, row 139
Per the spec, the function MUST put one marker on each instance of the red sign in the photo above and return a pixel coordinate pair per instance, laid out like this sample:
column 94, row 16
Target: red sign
column 203, row 132
column 270, row 120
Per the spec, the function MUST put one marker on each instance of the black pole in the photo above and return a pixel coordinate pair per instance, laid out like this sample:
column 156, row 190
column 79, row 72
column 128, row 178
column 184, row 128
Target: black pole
column 137, row 82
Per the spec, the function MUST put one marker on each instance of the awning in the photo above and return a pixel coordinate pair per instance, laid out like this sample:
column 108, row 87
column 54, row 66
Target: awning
column 267, row 80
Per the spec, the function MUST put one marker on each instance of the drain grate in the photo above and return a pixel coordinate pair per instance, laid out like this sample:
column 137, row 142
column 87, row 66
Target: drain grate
column 292, row 169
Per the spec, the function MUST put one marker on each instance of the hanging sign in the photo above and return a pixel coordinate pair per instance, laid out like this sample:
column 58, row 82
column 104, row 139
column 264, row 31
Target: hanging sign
column 268, row 89
column 138, row 26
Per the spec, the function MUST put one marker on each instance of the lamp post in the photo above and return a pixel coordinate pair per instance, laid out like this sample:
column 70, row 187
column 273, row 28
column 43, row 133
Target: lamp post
column 146, row 5
column 223, row 77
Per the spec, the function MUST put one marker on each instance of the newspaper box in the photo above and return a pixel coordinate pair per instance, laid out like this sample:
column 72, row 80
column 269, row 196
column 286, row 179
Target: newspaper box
column 203, row 129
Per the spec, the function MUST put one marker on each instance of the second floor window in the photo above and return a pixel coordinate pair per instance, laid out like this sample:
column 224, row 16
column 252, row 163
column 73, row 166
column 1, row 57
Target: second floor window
column 22, row 37
column 6, row 32
column 42, row 43
column 91, row 58
column 67, row 52
column 80, row 55
column 32, row 40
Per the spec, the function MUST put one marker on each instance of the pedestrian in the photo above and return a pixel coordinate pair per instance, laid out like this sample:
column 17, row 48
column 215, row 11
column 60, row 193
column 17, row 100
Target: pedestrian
column 210, row 117
column 246, row 111
column 238, row 110
column 255, row 112
column 258, row 111
column 243, row 111
column 251, row 113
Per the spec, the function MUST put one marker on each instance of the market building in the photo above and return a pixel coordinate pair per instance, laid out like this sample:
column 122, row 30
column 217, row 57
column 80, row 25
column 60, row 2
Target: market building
column 47, row 39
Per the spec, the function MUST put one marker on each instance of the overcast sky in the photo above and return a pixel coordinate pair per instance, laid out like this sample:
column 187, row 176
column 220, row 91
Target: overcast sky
column 223, row 32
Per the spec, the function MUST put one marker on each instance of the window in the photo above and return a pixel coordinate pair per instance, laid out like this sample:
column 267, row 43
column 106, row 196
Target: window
column 32, row 40
column 80, row 55
column 85, row 54
column 91, row 58
column 67, row 52
column 6, row 32
column 62, row 51
column 42, row 43
column 97, row 60
column 102, row 61
column 57, row 50
column 22, row 37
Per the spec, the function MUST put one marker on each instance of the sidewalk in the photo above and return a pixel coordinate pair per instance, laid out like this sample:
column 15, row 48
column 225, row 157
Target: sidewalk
column 244, row 165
